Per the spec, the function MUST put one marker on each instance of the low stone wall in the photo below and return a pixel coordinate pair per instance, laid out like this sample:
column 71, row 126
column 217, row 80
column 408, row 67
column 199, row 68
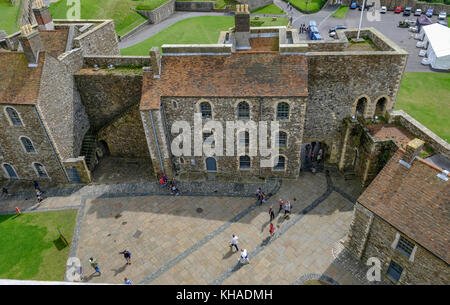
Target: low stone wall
column 420, row 131
column 117, row 61
column 194, row 6
column 255, row 4
column 196, row 48
column 391, row 5
column 99, row 40
column 160, row 13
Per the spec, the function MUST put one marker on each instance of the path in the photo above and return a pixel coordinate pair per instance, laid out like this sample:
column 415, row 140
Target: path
column 152, row 29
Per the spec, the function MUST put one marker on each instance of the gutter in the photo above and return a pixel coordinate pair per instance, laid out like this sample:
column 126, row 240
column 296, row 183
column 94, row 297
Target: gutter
column 156, row 141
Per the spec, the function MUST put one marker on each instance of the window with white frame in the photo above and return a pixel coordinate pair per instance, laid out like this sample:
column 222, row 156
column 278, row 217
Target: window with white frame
column 405, row 246
column 10, row 171
column 394, row 271
column 282, row 139
column 243, row 110
column 205, row 109
column 14, row 116
column 282, row 111
column 27, row 144
column 40, row 170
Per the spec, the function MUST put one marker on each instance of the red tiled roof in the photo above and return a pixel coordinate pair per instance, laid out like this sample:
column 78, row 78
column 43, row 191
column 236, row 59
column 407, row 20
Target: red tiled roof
column 415, row 201
column 54, row 41
column 236, row 75
column 19, row 84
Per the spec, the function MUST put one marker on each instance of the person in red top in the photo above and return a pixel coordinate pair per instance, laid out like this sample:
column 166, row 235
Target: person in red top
column 271, row 229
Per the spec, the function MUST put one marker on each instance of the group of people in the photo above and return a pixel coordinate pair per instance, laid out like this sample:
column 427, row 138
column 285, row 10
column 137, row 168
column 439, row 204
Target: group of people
column 37, row 190
column 261, row 196
column 303, row 28
column 244, row 253
column 170, row 184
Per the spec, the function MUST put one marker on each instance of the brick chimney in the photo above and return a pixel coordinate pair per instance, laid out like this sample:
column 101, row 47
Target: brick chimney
column 155, row 61
column 242, row 27
column 42, row 15
column 413, row 148
column 31, row 44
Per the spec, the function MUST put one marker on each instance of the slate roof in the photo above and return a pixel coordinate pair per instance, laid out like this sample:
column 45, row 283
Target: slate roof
column 18, row 83
column 414, row 201
column 237, row 75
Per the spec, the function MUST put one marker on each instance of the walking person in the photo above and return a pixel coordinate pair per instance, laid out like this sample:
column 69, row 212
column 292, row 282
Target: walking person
column 243, row 257
column 263, row 198
column 39, row 196
column 36, row 186
column 271, row 229
column 271, row 213
column 127, row 256
column 234, row 242
column 126, row 281
column 281, row 205
column 94, row 265
column 287, row 209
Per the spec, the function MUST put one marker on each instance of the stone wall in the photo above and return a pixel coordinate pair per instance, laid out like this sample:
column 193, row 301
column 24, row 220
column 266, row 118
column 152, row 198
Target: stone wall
column 80, row 165
column 99, row 40
column 125, row 136
column 118, row 61
column 194, row 6
column 371, row 236
column 420, row 131
column 225, row 109
column 160, row 13
column 255, row 4
column 391, row 5
column 14, row 153
column 60, row 104
column 106, row 94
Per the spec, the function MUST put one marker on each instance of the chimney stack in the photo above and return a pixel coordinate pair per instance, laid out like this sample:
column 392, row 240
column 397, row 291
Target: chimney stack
column 413, row 148
column 31, row 44
column 155, row 61
column 242, row 27
column 42, row 15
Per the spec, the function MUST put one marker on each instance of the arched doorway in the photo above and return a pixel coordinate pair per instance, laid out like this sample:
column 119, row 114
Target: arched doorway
column 313, row 155
column 361, row 107
column 380, row 107
column 211, row 165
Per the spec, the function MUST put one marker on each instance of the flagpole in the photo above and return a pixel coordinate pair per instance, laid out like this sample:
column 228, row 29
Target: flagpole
column 360, row 19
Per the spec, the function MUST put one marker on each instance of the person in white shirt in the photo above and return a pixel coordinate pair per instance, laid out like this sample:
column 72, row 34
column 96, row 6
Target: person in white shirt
column 234, row 242
column 244, row 256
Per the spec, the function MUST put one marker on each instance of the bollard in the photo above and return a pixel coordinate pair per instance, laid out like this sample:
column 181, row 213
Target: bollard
column 18, row 211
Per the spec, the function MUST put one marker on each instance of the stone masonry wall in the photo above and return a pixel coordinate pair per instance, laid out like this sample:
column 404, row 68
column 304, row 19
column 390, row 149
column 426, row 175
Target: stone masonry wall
column 225, row 109
column 194, row 6
column 160, row 13
column 117, row 61
column 100, row 40
column 106, row 94
column 125, row 137
column 60, row 104
column 15, row 155
column 255, row 4
column 426, row 268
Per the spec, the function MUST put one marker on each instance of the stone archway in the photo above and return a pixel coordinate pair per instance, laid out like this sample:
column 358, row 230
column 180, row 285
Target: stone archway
column 313, row 155
column 380, row 106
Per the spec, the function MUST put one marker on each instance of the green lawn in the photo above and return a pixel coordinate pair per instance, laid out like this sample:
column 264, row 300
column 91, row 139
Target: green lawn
column 269, row 9
column 196, row 30
column 426, row 97
column 30, row 247
column 9, row 14
column 312, row 6
column 121, row 11
column 341, row 11
column 150, row 5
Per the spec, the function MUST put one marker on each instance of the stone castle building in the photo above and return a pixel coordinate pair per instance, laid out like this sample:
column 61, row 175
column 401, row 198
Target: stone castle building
column 67, row 99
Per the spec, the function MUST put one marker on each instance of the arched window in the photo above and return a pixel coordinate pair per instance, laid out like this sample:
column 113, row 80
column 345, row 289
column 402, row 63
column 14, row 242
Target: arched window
column 244, row 138
column 281, row 163
column 244, row 162
column 361, row 107
column 283, row 111
column 380, row 107
column 205, row 109
column 40, row 170
column 27, row 144
column 282, row 139
column 14, row 116
column 243, row 110
column 10, row 171
column 211, row 165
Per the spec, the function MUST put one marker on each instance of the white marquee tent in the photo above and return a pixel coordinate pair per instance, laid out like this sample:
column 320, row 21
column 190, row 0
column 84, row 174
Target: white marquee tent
column 437, row 40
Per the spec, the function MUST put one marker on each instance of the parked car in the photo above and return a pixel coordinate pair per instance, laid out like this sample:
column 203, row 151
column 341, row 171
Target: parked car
column 407, row 11
column 383, row 10
column 429, row 12
column 443, row 22
column 398, row 10
column 442, row 16
column 418, row 12
column 353, row 5
column 338, row 27
column 315, row 36
column 312, row 23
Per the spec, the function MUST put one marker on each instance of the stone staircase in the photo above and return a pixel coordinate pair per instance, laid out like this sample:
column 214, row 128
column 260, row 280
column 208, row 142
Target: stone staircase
column 88, row 149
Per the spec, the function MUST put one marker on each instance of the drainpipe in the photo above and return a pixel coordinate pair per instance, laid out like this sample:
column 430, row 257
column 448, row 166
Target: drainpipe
column 156, row 141
column 260, row 120
column 51, row 144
